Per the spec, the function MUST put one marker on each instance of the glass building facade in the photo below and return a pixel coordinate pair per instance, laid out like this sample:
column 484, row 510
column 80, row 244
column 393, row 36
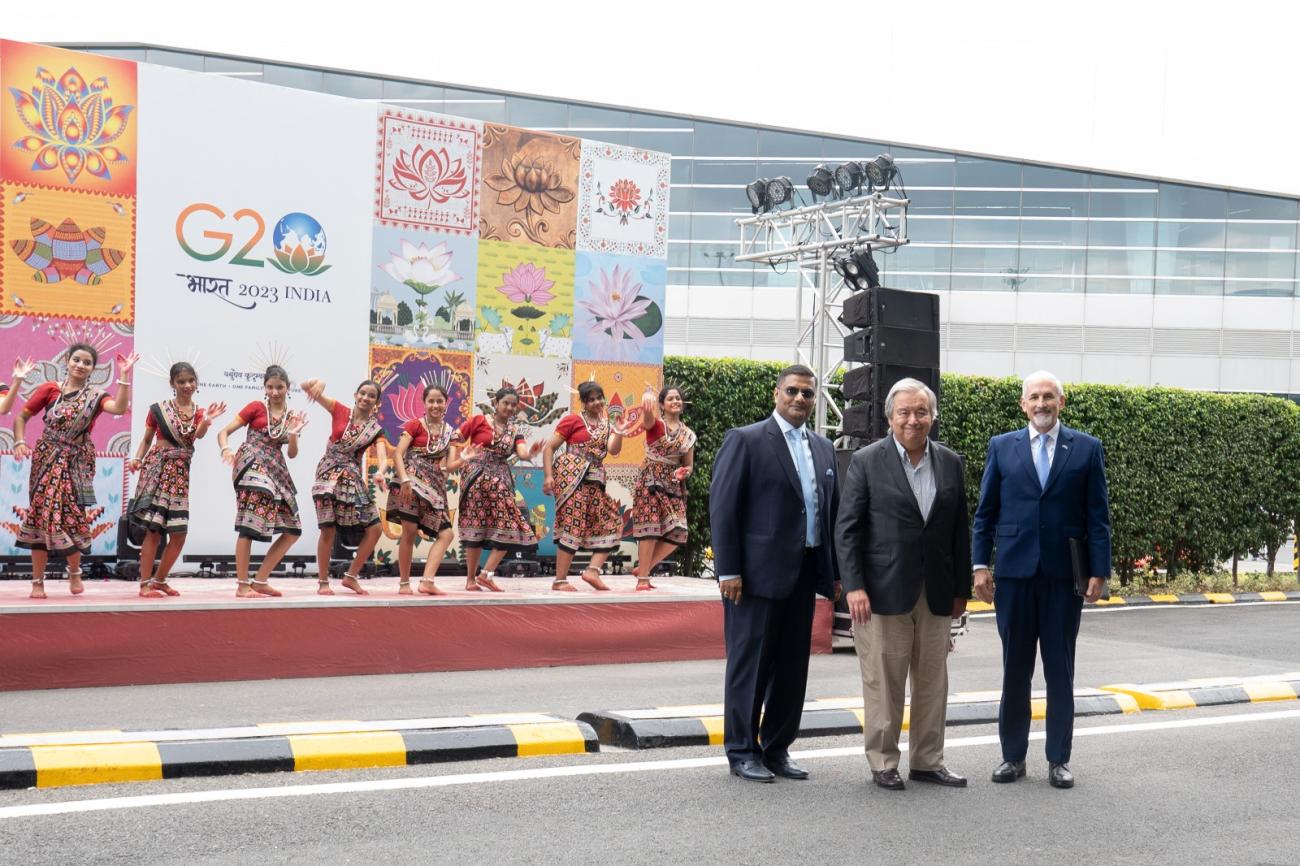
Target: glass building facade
column 1035, row 265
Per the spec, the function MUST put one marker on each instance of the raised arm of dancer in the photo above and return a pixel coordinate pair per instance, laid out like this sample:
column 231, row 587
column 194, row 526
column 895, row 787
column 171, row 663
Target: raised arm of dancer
column 223, row 437
column 214, row 411
column 22, row 366
column 614, row 444
column 315, row 389
column 297, row 421
column 145, row 441
column 121, row 402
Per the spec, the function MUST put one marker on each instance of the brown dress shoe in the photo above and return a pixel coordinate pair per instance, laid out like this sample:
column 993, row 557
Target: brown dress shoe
column 888, row 779
column 942, row 776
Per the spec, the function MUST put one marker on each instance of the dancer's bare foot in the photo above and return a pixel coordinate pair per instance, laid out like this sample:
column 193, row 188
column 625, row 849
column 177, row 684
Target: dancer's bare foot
column 244, row 589
column 563, row 585
column 485, row 580
column 428, row 587
column 74, row 583
column 471, row 585
column 261, row 587
column 591, row 577
column 643, row 583
column 323, row 586
column 404, row 587
column 147, row 590
column 38, row 589
column 163, row 587
column 350, row 581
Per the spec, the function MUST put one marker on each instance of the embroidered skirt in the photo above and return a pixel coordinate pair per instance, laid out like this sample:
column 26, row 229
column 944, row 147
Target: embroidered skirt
column 659, row 504
column 162, row 495
column 588, row 520
column 58, row 519
column 488, row 516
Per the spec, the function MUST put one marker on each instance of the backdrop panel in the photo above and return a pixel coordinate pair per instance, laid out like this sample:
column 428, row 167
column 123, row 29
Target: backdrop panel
column 254, row 247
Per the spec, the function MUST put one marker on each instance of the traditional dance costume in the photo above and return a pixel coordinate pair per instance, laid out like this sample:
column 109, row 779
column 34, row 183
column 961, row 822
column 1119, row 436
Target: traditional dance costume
column 659, row 502
column 586, row 518
column 488, row 516
column 63, row 471
column 425, row 501
column 162, row 495
column 266, row 501
column 341, row 491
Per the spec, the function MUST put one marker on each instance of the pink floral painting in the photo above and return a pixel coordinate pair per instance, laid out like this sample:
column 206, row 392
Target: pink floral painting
column 623, row 200
column 525, row 300
column 427, row 172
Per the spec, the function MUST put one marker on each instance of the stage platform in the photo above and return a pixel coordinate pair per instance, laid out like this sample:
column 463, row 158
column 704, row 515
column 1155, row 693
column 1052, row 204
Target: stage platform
column 109, row 636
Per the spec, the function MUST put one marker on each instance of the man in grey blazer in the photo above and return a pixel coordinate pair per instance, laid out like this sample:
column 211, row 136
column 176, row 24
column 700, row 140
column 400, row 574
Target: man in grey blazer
column 903, row 541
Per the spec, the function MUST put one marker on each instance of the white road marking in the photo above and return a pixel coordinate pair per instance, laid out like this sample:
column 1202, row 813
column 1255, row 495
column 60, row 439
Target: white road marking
column 1199, row 605
column 149, row 801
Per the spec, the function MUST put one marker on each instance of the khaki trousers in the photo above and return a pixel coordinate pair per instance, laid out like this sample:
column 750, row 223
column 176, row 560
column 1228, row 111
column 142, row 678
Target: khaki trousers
column 888, row 648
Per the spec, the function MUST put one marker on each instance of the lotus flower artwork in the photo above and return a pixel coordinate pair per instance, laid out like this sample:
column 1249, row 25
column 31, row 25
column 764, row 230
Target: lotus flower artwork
column 299, row 245
column 531, row 182
column 619, row 318
column 526, row 284
column 624, row 201
column 429, row 175
column 71, row 124
column 422, row 268
column 67, row 252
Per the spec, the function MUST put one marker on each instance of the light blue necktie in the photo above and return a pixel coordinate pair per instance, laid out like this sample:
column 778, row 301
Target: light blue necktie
column 1044, row 466
column 807, row 482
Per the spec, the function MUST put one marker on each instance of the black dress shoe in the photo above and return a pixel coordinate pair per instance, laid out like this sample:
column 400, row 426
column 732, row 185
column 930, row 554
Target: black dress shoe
column 786, row 768
column 941, row 776
column 752, row 771
column 1009, row 771
column 1060, row 776
column 888, row 779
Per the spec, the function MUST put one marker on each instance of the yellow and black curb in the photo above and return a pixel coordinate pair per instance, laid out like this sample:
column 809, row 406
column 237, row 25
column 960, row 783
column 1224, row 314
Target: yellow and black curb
column 1191, row 598
column 1216, row 692
column 97, row 757
column 663, row 727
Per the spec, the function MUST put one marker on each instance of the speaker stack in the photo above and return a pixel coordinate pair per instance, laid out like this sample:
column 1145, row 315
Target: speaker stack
column 898, row 338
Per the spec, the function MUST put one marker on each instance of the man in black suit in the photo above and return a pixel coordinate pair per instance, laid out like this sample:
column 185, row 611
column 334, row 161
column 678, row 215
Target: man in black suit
column 772, row 506
column 903, row 539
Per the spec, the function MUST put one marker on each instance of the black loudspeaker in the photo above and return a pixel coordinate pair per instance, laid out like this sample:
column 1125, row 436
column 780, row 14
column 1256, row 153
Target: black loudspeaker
column 891, row 307
column 909, row 347
column 875, row 380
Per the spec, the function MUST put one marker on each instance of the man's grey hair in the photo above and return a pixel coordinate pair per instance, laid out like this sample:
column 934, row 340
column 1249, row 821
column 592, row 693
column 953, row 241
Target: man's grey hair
column 1041, row 376
column 911, row 386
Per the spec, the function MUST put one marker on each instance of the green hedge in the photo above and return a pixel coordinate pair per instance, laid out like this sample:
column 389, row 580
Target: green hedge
column 1195, row 477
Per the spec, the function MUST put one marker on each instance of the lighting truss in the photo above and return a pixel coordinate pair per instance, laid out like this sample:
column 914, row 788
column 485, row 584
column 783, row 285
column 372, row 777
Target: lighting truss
column 808, row 238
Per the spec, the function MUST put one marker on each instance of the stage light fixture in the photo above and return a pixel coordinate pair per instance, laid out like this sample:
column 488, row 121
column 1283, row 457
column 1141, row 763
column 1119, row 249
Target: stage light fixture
column 858, row 269
column 779, row 191
column 881, row 171
column 848, row 177
column 757, row 193
column 821, row 182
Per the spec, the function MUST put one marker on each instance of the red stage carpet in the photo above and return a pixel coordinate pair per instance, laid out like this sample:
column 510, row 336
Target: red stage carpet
column 109, row 636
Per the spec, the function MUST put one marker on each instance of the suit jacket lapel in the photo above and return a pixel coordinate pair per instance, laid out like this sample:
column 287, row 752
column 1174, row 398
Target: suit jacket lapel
column 1063, row 452
column 938, row 471
column 1025, row 451
column 894, row 471
column 781, row 453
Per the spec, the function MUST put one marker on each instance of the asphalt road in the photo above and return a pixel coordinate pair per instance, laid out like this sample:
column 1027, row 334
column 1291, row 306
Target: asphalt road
column 1116, row 645
column 1211, row 785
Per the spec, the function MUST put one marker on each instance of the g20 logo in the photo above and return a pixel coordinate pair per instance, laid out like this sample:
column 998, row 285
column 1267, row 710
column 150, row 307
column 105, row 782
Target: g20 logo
column 298, row 240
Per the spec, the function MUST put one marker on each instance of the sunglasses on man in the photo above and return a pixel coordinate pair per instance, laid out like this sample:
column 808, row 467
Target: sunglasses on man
column 808, row 393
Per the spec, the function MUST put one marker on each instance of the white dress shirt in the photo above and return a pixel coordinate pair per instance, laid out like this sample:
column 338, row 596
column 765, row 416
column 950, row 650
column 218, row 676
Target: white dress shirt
column 920, row 477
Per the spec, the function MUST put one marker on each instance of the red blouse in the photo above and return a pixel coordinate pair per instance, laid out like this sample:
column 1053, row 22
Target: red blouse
column 254, row 415
column 341, row 417
column 153, row 425
column 480, row 431
column 46, row 394
column 655, row 432
column 419, row 436
column 572, row 429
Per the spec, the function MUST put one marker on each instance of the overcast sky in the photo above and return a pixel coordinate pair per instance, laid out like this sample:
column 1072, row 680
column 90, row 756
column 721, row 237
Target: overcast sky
column 1201, row 91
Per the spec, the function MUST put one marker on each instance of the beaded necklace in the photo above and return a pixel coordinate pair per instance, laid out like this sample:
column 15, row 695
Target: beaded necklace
column 272, row 430
column 187, row 425
column 428, row 434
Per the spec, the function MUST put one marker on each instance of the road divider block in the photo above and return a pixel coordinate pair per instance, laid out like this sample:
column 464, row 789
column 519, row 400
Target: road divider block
column 1211, row 692
column 97, row 757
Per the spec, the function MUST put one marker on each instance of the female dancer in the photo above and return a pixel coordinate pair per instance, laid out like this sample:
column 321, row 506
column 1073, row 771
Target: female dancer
column 418, row 498
column 162, row 495
column 63, row 464
column 488, row 516
column 265, row 496
column 585, row 515
column 9, row 393
column 341, row 491
column 659, row 503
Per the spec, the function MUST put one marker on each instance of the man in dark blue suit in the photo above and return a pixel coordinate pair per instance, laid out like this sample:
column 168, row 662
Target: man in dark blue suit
column 773, row 500
column 1043, row 486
